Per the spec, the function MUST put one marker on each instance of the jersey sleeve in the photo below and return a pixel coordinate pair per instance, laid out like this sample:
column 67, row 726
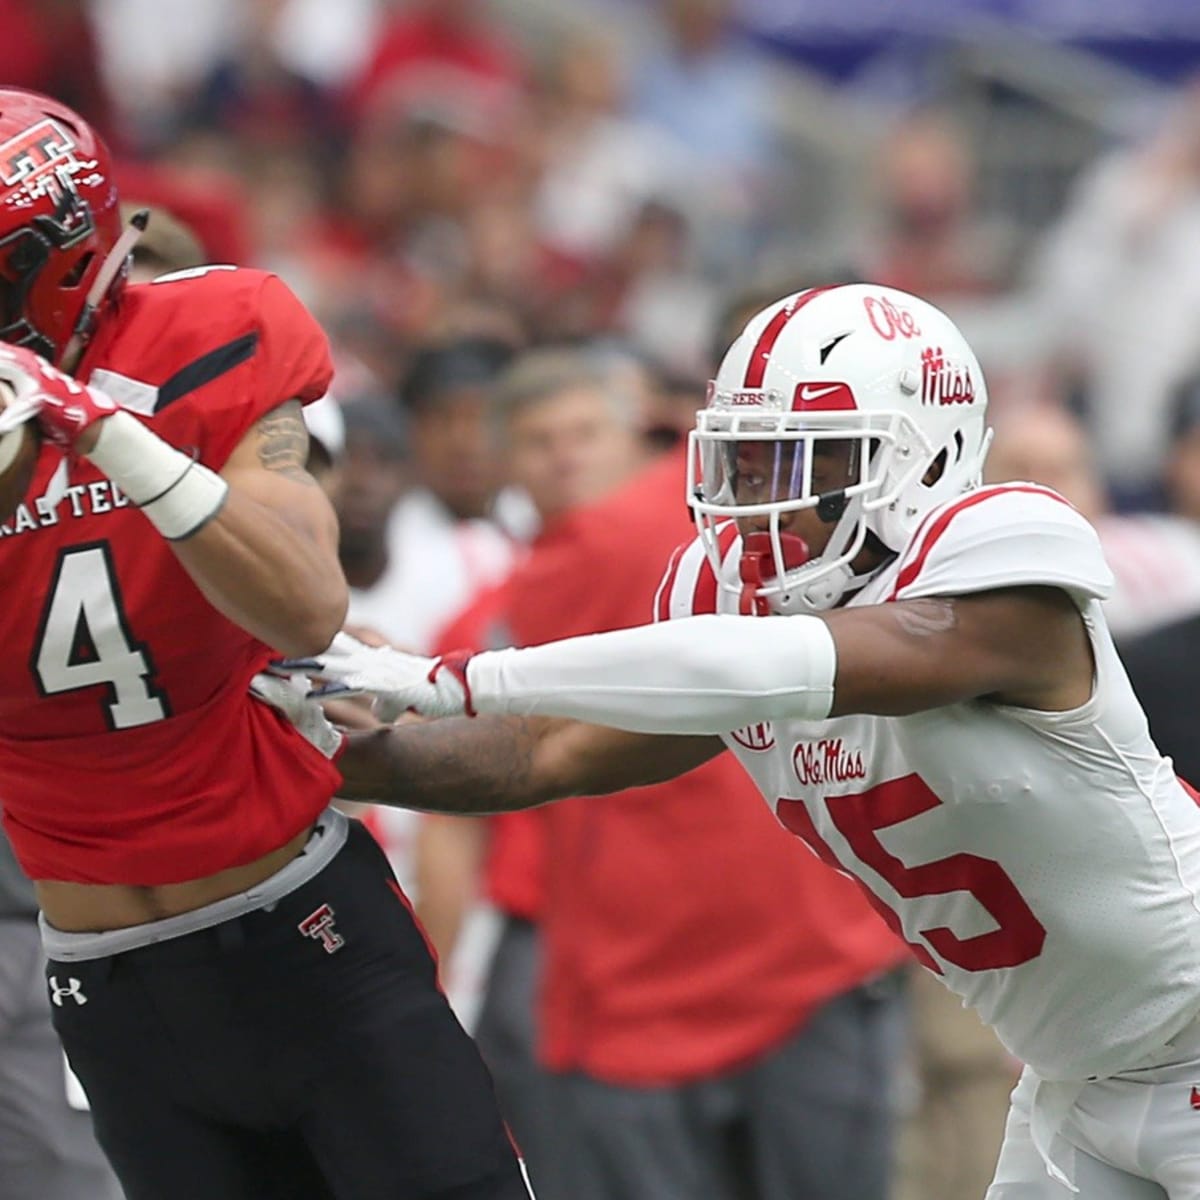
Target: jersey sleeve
column 290, row 361
column 293, row 361
column 1007, row 536
column 233, row 345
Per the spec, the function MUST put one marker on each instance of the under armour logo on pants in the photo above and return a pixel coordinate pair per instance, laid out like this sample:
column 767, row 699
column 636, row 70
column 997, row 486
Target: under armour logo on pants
column 58, row 994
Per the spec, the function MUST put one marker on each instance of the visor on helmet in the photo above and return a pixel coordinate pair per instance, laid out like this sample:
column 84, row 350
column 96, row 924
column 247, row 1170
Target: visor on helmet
column 760, row 465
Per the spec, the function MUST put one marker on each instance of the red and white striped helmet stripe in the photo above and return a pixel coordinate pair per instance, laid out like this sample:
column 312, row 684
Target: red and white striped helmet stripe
column 756, row 367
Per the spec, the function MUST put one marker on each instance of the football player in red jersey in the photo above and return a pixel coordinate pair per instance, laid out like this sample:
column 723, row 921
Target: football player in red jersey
column 233, row 971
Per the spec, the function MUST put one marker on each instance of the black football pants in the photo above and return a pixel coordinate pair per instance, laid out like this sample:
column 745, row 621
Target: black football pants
column 259, row 1061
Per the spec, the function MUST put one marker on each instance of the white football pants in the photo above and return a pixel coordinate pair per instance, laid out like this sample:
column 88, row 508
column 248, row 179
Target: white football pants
column 1133, row 1137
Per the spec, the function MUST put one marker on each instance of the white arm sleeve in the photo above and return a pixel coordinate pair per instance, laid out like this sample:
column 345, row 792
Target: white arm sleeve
column 698, row 675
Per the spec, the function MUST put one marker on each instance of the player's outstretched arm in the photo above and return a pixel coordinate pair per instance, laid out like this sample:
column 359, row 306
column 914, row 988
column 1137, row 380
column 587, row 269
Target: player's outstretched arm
column 710, row 674
column 1025, row 646
column 498, row 764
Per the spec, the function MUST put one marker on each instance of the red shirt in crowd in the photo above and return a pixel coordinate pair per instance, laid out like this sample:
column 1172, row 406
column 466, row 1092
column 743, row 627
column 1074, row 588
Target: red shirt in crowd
column 685, row 931
column 455, row 66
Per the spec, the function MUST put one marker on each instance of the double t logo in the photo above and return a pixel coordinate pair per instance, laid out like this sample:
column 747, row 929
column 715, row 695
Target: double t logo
column 320, row 925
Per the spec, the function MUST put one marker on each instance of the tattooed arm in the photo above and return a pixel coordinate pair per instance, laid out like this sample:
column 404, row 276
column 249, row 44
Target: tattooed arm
column 268, row 560
column 497, row 764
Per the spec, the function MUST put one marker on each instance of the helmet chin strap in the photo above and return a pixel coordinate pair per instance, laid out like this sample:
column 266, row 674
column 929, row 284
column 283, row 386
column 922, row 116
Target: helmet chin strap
column 112, row 265
column 757, row 566
column 821, row 594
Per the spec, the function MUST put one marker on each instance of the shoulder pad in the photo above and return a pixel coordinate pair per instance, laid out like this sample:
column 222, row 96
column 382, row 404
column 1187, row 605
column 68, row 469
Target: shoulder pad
column 207, row 352
column 689, row 587
column 1010, row 535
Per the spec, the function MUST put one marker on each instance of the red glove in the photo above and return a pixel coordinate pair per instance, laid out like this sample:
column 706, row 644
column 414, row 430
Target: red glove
column 64, row 407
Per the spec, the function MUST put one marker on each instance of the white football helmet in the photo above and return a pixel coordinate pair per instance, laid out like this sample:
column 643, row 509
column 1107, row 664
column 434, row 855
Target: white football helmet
column 864, row 364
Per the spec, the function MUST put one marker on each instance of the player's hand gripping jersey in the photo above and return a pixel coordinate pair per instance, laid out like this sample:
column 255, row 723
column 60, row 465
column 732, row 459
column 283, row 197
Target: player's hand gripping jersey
column 130, row 750
column 1055, row 925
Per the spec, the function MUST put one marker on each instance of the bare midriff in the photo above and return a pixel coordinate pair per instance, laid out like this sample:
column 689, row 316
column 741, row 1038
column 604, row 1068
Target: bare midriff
column 96, row 907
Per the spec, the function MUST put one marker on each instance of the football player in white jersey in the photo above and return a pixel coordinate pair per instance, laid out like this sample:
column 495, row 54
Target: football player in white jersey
column 916, row 671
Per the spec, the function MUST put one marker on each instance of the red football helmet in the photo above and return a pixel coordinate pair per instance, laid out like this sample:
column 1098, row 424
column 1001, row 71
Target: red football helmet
column 59, row 224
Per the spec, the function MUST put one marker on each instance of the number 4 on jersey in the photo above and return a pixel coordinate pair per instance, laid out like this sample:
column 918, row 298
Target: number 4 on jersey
column 84, row 640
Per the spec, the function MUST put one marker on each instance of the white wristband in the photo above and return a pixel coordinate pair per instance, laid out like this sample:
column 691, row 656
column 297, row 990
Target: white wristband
column 698, row 675
column 177, row 494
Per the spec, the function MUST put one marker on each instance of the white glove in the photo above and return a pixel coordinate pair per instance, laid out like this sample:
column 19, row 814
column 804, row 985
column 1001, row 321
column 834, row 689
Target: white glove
column 399, row 682
column 25, row 400
column 64, row 407
column 289, row 694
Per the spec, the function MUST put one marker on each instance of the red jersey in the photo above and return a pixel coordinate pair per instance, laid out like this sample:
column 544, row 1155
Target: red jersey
column 130, row 749
column 683, row 934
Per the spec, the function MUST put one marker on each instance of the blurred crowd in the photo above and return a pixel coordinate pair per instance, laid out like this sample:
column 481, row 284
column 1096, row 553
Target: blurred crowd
column 529, row 247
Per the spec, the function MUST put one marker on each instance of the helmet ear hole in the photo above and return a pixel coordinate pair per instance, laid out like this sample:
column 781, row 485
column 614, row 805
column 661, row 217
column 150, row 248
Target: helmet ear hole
column 936, row 469
column 949, row 456
column 75, row 276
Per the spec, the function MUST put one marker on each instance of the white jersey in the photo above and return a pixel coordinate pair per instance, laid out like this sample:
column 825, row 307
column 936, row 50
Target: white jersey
column 1046, row 865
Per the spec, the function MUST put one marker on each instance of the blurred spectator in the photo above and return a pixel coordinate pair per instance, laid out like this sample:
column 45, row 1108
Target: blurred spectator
column 452, row 428
column 1155, row 557
column 377, row 475
column 284, row 221
column 1116, row 289
column 1161, row 664
column 166, row 245
column 932, row 240
column 706, row 88
column 1162, row 668
column 252, row 95
column 688, row 1058
column 569, row 431
column 1044, row 442
column 326, row 443
column 669, row 407
column 153, row 54
column 667, row 307
column 599, row 166
column 509, row 268
column 950, row 1140
column 327, row 43
column 649, row 290
column 1181, row 470
column 444, row 60
column 709, row 90
column 213, row 204
column 50, row 46
column 47, row 1148
column 415, row 504
column 393, row 250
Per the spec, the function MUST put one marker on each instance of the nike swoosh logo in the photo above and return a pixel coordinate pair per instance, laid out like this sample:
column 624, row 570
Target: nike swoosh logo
column 807, row 394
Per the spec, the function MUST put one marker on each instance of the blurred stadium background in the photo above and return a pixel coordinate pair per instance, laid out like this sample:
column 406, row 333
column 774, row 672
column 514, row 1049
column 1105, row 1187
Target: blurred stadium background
column 621, row 174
